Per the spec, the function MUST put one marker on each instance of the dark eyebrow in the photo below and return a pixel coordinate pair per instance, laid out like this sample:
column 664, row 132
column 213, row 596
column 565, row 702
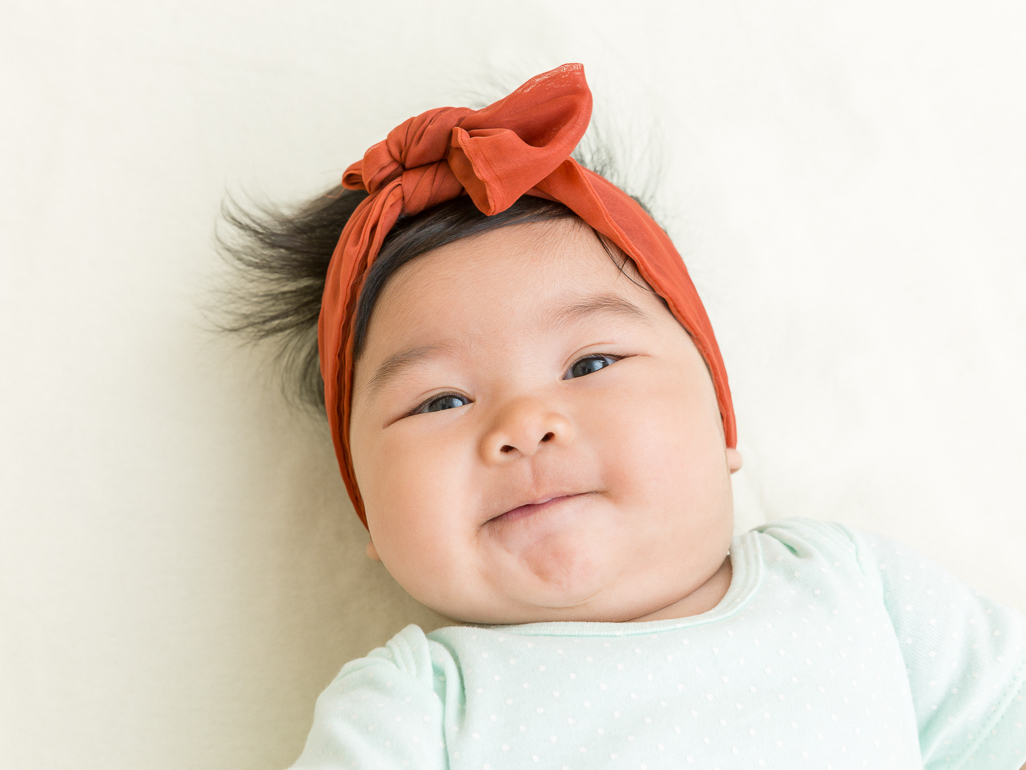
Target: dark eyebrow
column 602, row 303
column 396, row 362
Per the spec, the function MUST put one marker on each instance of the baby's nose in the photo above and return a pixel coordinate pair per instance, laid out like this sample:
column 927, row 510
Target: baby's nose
column 522, row 428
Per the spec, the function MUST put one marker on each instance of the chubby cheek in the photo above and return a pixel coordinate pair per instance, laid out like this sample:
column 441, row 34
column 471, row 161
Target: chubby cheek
column 663, row 449
column 416, row 512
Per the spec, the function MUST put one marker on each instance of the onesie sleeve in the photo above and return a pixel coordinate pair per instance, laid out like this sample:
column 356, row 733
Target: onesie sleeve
column 380, row 711
column 965, row 656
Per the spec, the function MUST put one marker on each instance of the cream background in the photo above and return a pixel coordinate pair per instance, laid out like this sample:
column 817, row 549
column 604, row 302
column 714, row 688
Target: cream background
column 180, row 573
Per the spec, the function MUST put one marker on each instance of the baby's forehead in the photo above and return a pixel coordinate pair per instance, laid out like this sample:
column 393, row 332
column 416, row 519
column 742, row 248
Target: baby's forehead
column 555, row 265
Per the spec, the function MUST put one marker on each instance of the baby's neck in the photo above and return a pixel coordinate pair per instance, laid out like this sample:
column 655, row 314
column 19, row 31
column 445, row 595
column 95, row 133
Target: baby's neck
column 702, row 599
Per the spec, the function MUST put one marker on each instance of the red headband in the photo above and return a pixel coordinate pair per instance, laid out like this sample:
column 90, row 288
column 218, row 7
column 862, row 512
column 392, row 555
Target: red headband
column 518, row 146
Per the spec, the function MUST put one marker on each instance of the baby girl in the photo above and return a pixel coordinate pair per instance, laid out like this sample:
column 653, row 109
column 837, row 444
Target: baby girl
column 534, row 423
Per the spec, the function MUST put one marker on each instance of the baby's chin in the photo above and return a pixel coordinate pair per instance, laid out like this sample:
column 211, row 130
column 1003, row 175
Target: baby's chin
column 574, row 565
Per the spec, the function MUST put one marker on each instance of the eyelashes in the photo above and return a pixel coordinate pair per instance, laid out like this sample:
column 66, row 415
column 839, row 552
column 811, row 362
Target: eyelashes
column 582, row 367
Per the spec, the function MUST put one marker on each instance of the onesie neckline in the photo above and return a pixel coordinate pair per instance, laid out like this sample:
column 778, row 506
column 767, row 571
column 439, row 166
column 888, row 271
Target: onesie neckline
column 746, row 576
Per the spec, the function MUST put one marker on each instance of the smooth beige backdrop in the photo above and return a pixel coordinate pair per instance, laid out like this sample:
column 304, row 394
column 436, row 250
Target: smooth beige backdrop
column 180, row 573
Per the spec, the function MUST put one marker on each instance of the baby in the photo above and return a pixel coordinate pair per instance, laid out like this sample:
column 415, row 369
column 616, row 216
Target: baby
column 533, row 421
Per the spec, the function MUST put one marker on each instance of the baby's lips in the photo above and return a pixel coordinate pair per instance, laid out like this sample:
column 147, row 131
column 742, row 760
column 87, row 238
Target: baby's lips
column 535, row 502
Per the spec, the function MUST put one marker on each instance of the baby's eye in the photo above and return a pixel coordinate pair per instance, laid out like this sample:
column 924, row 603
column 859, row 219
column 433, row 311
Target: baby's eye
column 444, row 401
column 588, row 365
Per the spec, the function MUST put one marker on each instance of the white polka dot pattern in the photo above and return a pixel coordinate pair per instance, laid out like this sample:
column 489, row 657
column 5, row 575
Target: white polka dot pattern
column 832, row 649
column 965, row 657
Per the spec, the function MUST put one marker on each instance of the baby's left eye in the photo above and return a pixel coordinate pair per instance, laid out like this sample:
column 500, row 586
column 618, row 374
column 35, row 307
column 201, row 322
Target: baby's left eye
column 588, row 365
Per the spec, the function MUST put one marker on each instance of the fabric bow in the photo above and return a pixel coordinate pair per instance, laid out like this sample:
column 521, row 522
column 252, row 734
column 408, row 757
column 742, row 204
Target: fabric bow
column 520, row 145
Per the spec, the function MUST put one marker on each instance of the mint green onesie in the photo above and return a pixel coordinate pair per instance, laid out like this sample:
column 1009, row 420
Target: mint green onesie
column 832, row 649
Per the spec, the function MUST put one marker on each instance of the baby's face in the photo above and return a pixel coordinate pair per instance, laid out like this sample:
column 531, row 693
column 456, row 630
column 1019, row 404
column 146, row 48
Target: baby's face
column 536, row 437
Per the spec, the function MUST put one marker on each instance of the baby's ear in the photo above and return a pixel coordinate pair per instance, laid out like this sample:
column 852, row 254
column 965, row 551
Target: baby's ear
column 733, row 460
column 372, row 552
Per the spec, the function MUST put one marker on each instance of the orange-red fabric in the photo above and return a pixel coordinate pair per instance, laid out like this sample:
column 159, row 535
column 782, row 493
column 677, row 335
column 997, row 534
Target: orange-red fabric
column 520, row 145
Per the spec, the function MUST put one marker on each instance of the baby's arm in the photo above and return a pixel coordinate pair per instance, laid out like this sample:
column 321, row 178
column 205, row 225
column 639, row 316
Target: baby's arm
column 381, row 711
column 965, row 656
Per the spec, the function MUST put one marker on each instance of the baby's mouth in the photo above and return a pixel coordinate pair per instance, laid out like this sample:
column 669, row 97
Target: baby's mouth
column 529, row 509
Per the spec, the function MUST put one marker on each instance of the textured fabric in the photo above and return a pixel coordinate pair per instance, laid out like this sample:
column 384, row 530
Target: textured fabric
column 832, row 648
column 518, row 146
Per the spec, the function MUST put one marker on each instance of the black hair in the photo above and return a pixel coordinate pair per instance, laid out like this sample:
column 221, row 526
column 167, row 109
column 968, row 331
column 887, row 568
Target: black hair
column 280, row 258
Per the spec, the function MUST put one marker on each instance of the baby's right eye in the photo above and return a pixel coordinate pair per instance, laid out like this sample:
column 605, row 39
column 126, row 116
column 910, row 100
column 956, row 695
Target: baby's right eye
column 444, row 401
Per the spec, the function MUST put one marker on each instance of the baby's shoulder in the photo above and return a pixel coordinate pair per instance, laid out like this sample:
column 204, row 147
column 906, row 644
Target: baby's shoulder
column 804, row 538
column 840, row 548
column 410, row 664
column 409, row 654
column 828, row 547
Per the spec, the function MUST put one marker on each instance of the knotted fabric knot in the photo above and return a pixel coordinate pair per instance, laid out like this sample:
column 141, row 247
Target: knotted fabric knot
column 495, row 154
column 414, row 153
